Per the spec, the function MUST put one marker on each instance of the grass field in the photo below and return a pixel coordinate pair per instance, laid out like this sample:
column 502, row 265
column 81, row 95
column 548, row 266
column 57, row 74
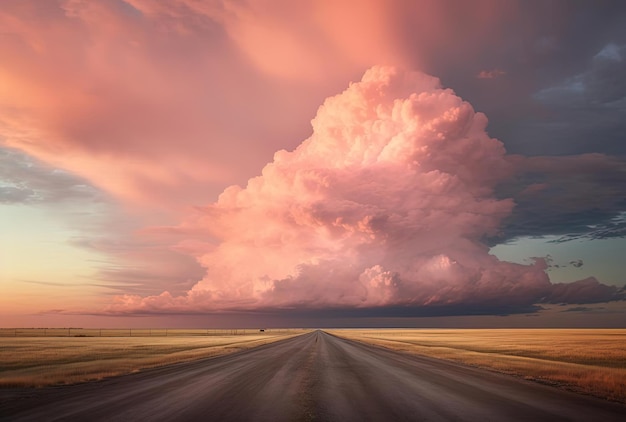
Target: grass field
column 591, row 361
column 58, row 358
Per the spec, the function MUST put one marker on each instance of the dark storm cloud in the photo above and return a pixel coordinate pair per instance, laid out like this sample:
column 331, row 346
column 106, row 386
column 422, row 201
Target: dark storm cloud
column 563, row 82
column 583, row 309
column 334, row 313
column 414, row 311
column 601, row 86
column 588, row 290
column 573, row 197
column 586, row 112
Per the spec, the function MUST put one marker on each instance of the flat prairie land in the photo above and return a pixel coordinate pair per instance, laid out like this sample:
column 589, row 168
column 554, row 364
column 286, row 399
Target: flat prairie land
column 590, row 361
column 56, row 358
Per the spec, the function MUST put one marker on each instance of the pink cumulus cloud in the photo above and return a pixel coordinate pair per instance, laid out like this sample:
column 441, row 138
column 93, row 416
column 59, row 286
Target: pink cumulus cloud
column 385, row 204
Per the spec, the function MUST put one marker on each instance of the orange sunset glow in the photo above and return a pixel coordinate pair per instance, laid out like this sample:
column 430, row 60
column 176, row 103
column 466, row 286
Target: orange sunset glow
column 312, row 163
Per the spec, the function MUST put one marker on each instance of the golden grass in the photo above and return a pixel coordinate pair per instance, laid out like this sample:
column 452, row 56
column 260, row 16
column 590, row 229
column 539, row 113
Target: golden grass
column 39, row 361
column 591, row 361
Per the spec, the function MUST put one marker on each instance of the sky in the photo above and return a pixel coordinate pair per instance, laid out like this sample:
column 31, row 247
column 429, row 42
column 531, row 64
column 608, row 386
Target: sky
column 312, row 164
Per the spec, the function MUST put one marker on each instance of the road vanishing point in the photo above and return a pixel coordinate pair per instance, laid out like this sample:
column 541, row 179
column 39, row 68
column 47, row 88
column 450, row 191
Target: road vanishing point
column 312, row 377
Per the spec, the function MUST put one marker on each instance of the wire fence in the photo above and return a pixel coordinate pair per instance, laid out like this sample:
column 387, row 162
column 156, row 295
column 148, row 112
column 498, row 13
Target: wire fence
column 133, row 332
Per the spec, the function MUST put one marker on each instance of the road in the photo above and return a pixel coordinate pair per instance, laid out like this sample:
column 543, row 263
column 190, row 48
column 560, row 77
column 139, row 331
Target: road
column 313, row 377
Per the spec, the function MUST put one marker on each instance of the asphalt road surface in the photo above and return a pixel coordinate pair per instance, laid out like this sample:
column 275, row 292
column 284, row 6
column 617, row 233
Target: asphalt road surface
column 313, row 377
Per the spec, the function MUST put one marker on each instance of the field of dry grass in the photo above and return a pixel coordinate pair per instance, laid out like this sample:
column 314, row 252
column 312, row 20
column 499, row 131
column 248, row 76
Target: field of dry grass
column 40, row 360
column 591, row 361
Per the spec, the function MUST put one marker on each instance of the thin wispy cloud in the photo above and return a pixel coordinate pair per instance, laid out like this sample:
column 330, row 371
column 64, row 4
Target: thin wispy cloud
column 490, row 74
